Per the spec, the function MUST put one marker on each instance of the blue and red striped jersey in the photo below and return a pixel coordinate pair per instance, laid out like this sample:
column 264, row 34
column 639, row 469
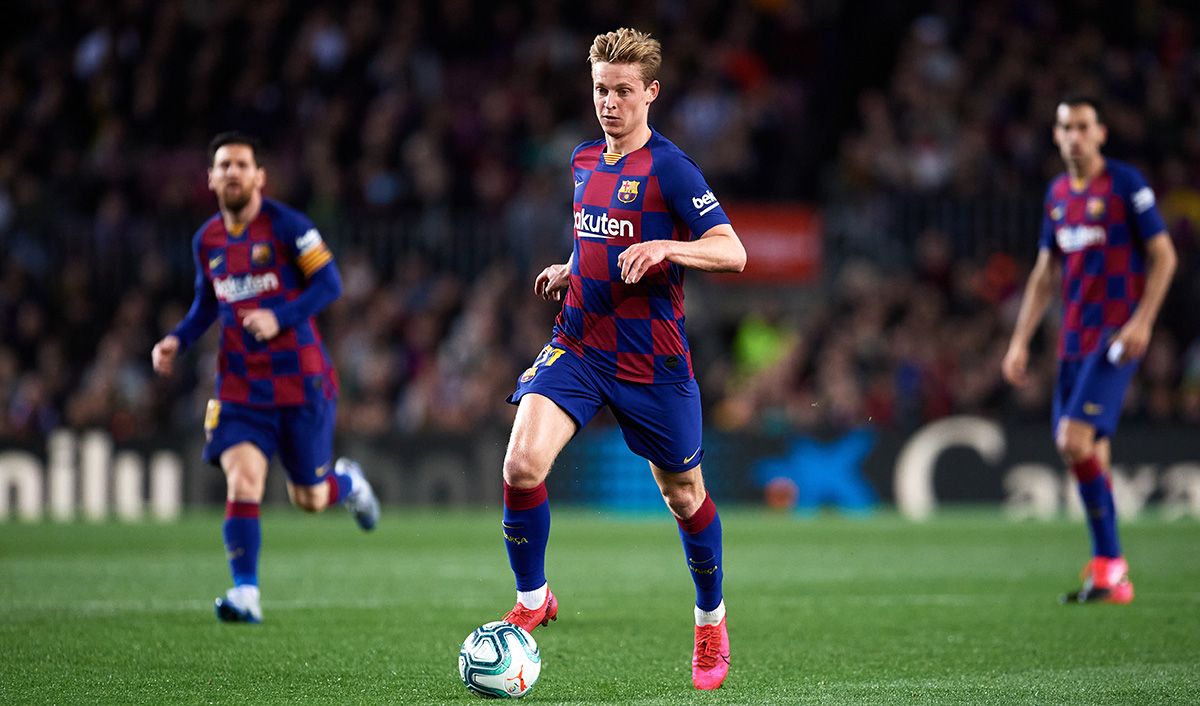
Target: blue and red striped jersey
column 265, row 266
column 632, row 331
column 1100, row 231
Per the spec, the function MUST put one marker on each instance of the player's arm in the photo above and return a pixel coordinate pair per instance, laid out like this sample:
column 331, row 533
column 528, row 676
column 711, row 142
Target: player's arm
column 321, row 289
column 718, row 250
column 322, row 286
column 553, row 281
column 199, row 317
column 1039, row 291
column 713, row 246
column 1134, row 336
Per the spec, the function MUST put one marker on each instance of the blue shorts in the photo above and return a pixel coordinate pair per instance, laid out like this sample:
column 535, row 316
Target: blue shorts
column 303, row 435
column 660, row 423
column 1091, row 390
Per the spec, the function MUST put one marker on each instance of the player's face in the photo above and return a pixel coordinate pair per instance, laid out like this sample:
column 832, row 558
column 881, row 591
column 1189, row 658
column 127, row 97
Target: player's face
column 622, row 100
column 235, row 176
column 1078, row 132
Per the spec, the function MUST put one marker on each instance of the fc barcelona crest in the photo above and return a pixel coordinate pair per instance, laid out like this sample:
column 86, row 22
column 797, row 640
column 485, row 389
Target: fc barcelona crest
column 260, row 253
column 628, row 192
column 1095, row 207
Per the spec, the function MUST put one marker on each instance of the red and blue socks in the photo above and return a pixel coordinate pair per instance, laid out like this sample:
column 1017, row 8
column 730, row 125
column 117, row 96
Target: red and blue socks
column 340, row 487
column 1096, row 491
column 526, row 532
column 701, row 535
column 243, row 537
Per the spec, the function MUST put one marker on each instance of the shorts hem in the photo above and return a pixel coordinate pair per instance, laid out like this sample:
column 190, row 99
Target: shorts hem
column 679, row 467
column 212, row 451
column 515, row 399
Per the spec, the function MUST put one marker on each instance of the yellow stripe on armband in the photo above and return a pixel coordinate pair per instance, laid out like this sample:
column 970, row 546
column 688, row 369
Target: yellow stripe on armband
column 315, row 260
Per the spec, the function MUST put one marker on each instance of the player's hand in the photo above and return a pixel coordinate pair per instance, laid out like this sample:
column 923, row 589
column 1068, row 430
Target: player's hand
column 552, row 282
column 1134, row 339
column 1015, row 364
column 163, row 355
column 637, row 259
column 261, row 323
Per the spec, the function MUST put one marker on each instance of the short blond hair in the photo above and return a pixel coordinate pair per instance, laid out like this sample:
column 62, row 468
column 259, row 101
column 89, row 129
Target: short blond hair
column 628, row 46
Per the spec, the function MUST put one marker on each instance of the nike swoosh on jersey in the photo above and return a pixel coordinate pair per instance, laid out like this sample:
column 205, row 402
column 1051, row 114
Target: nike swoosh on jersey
column 689, row 458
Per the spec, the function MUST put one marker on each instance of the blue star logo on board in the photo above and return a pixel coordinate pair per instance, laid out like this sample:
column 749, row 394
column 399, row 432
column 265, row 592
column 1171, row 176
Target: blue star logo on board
column 628, row 192
column 826, row 473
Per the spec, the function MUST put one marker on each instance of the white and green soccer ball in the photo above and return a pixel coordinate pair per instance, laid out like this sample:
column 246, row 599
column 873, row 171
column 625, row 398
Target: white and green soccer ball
column 499, row 660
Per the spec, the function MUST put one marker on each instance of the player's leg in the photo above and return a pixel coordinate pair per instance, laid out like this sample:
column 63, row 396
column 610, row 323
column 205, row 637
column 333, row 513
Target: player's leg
column 539, row 433
column 555, row 397
column 700, row 531
column 662, row 423
column 245, row 468
column 241, row 440
column 1088, row 419
column 315, row 481
column 1106, row 575
column 1078, row 447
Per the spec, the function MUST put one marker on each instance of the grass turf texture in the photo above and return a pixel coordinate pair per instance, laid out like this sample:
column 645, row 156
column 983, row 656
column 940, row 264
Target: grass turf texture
column 828, row 610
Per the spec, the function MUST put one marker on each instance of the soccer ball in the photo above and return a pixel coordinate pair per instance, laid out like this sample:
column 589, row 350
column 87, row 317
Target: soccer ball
column 499, row 660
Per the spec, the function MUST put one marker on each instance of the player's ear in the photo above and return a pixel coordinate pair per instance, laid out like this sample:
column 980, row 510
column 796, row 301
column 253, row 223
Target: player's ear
column 652, row 90
column 211, row 185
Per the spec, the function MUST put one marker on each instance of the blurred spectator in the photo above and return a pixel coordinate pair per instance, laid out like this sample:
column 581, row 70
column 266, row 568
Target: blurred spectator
column 429, row 142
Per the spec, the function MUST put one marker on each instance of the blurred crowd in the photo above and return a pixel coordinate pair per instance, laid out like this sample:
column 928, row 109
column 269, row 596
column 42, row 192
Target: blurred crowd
column 897, row 347
column 453, row 120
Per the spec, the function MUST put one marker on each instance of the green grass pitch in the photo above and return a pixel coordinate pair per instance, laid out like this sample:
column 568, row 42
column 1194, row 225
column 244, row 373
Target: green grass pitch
column 960, row 610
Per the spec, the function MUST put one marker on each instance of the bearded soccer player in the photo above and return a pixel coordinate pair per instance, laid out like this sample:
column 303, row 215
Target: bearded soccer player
column 264, row 272
column 643, row 215
column 1102, row 230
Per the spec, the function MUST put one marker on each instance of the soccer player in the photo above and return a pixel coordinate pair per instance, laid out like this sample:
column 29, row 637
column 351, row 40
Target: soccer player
column 1102, row 230
column 643, row 214
column 264, row 272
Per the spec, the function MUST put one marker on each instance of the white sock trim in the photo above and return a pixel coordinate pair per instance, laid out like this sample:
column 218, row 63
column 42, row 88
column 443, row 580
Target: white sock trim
column 244, row 595
column 534, row 598
column 710, row 617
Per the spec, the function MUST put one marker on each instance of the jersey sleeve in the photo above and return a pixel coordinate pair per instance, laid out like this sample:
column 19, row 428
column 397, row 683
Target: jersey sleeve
column 1046, row 241
column 305, row 245
column 689, row 197
column 1141, row 205
column 203, row 311
column 323, row 282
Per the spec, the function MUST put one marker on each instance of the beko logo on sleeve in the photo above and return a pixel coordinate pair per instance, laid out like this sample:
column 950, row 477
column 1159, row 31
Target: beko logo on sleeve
column 705, row 202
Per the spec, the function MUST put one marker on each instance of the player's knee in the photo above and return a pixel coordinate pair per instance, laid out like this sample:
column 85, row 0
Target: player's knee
column 308, row 499
column 243, row 484
column 1073, row 448
column 522, row 469
column 683, row 498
